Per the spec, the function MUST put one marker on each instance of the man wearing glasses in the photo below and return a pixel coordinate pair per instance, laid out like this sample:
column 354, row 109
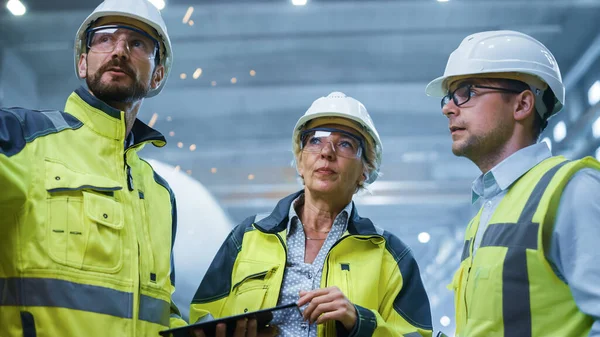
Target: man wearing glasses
column 87, row 226
column 529, row 265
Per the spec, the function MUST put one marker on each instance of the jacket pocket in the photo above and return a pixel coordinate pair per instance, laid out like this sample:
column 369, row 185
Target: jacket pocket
column 85, row 222
column 250, row 283
column 484, row 294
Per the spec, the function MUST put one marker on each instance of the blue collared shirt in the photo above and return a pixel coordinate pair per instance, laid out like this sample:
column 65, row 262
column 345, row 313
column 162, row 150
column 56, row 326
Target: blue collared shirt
column 573, row 251
column 304, row 276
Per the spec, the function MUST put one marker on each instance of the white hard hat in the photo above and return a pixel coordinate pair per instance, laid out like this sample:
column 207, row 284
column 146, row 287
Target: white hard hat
column 140, row 10
column 338, row 106
column 504, row 54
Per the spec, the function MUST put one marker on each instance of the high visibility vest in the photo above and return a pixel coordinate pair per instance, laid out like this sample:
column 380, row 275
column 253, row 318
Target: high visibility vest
column 508, row 287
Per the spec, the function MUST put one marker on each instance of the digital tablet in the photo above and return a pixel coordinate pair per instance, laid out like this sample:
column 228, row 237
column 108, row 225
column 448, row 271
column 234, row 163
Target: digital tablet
column 263, row 317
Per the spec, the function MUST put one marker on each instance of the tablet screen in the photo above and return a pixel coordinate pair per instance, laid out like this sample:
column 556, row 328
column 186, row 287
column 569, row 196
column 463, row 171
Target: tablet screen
column 263, row 317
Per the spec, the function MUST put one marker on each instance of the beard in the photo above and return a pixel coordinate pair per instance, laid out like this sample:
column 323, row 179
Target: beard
column 114, row 91
column 483, row 146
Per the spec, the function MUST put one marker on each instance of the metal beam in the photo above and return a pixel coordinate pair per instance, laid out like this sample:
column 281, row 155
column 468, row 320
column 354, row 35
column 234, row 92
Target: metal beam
column 583, row 64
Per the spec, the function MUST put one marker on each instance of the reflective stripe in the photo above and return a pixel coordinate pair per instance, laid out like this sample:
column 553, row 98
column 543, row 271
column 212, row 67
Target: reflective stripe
column 56, row 119
column 466, row 250
column 43, row 292
column 154, row 310
column 518, row 237
column 512, row 235
column 536, row 196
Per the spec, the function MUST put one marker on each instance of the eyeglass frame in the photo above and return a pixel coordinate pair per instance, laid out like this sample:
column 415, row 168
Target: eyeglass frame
column 361, row 143
column 450, row 96
column 90, row 31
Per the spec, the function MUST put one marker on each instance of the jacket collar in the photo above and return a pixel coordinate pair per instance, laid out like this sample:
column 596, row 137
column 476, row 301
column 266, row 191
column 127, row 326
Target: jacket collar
column 278, row 219
column 108, row 121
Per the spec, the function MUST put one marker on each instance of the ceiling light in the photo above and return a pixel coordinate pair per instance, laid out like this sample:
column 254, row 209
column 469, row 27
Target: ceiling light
column 213, row 170
column 252, row 72
column 548, row 142
column 180, row 145
column 191, row 22
column 445, row 321
column 233, row 80
column 424, row 237
column 299, row 2
column 16, row 7
column 188, row 14
column 443, row 0
column 172, row 133
column 160, row 4
column 183, row 76
column 197, row 73
column 213, row 83
column 193, row 147
column 594, row 93
column 251, row 177
column 596, row 128
column 560, row 131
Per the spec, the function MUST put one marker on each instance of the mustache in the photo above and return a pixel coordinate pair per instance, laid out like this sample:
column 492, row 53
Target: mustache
column 126, row 68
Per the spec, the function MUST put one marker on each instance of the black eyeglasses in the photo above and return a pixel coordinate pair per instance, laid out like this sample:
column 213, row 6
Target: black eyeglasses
column 463, row 94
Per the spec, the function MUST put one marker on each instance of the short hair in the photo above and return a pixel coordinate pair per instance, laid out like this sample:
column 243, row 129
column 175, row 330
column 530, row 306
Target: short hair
column 539, row 123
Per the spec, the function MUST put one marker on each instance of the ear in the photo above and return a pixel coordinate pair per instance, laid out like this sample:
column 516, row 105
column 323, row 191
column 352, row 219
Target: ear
column 157, row 77
column 82, row 66
column 524, row 106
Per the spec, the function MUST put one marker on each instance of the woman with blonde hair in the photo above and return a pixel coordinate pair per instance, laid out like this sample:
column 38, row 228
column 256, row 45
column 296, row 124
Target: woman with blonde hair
column 348, row 276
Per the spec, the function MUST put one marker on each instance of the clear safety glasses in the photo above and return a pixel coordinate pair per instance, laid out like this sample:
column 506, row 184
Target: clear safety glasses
column 343, row 143
column 463, row 93
column 104, row 39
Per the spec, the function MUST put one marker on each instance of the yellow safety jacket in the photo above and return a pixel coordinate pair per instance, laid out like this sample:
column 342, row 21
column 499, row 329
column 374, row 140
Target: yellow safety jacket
column 373, row 268
column 87, row 226
column 508, row 288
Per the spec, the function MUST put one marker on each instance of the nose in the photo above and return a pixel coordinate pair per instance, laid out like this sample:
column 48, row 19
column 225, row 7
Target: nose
column 121, row 49
column 450, row 109
column 328, row 151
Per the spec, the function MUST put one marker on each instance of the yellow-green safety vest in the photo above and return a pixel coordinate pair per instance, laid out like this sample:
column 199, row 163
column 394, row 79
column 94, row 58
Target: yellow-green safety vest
column 508, row 288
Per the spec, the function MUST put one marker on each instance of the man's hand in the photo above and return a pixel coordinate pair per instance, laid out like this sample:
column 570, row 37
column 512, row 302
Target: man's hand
column 328, row 304
column 243, row 328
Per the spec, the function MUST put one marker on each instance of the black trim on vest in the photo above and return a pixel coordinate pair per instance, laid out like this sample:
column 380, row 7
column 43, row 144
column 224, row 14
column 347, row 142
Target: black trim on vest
column 466, row 250
column 28, row 324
